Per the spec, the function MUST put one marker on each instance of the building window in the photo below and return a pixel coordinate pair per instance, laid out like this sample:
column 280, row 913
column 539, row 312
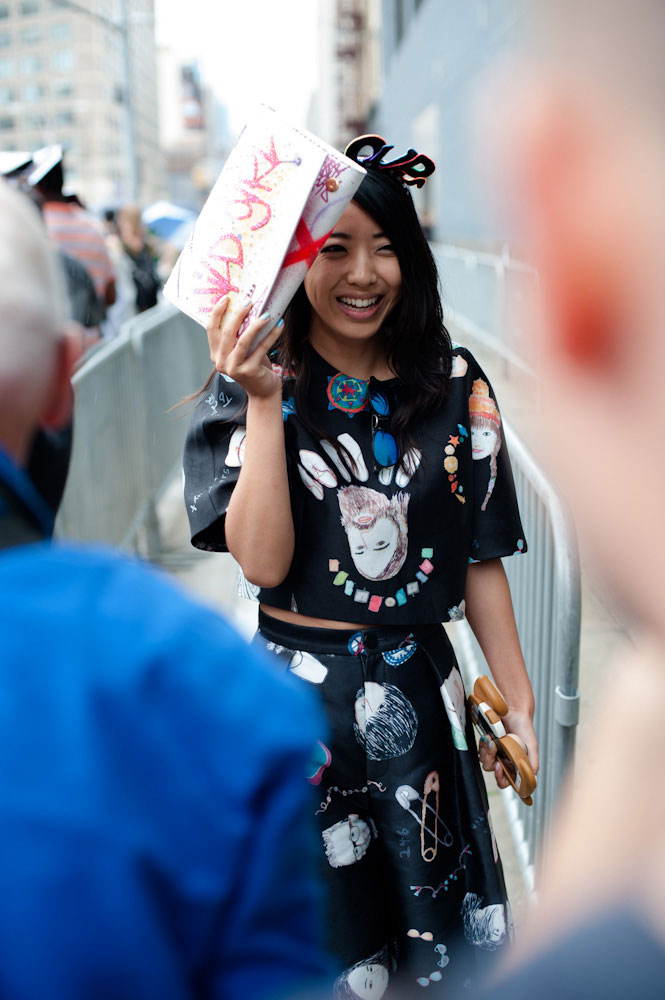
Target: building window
column 64, row 118
column 62, row 88
column 63, row 60
column 31, row 36
column 29, row 7
column 6, row 123
column 7, row 68
column 61, row 31
column 6, row 95
column 4, row 11
column 36, row 121
column 31, row 65
column 5, row 39
column 32, row 92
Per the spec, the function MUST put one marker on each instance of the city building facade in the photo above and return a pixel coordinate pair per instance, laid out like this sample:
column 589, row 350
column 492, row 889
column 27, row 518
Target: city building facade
column 83, row 74
column 349, row 69
column 436, row 57
column 194, row 130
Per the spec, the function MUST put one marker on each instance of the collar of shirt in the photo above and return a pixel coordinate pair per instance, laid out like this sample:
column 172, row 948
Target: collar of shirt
column 20, row 488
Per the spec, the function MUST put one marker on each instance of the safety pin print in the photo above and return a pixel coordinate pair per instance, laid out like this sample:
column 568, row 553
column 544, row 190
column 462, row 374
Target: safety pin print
column 406, row 794
column 431, row 787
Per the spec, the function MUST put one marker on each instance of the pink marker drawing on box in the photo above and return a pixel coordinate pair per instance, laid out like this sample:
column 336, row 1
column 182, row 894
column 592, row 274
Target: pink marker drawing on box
column 279, row 196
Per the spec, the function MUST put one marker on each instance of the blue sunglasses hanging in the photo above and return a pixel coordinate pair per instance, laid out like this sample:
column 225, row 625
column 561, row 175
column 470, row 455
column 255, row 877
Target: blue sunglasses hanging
column 384, row 446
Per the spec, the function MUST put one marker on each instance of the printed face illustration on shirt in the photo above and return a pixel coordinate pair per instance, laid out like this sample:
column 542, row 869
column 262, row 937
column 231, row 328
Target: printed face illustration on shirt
column 368, row 981
column 485, row 430
column 385, row 721
column 376, row 529
column 347, row 841
column 483, row 441
column 486, row 926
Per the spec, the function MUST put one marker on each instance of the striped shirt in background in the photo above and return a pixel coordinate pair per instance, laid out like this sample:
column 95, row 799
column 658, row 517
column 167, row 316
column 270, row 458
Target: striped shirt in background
column 76, row 233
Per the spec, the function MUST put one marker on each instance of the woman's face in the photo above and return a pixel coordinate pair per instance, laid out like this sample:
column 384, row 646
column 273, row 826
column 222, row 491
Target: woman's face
column 373, row 548
column 483, row 442
column 354, row 282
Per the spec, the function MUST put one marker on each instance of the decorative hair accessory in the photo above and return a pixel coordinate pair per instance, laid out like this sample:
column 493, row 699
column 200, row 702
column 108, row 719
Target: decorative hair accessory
column 411, row 168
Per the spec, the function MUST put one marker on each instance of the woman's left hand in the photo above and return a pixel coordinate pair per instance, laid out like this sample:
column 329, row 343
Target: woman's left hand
column 520, row 724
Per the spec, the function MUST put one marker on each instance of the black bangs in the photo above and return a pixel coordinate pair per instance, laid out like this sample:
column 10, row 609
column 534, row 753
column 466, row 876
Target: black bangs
column 415, row 339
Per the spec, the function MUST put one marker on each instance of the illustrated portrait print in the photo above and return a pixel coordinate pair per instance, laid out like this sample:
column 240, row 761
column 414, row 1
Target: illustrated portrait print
column 485, row 926
column 376, row 529
column 346, row 842
column 364, row 980
column 385, row 721
column 485, row 430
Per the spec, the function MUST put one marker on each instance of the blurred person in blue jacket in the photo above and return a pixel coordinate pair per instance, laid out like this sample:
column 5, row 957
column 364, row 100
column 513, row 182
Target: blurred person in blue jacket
column 154, row 838
column 584, row 168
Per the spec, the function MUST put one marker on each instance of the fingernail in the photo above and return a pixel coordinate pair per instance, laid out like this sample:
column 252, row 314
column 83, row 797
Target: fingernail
column 246, row 301
column 266, row 315
column 279, row 323
column 491, row 744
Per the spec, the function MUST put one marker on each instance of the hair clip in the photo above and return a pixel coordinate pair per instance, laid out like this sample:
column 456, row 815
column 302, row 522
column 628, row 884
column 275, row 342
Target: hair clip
column 412, row 168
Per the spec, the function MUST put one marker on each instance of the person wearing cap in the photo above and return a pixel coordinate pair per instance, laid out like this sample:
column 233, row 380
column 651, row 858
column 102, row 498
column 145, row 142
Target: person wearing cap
column 13, row 164
column 154, row 838
column 73, row 228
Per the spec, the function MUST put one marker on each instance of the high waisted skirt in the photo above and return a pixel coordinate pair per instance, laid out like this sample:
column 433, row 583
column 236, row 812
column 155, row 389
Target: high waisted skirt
column 414, row 884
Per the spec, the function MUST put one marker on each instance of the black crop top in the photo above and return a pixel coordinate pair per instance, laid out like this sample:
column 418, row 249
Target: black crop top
column 385, row 544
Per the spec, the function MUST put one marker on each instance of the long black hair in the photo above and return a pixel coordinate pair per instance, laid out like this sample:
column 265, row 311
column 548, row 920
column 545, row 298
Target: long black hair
column 416, row 342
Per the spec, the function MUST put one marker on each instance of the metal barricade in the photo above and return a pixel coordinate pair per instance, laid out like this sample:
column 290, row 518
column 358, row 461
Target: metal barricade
column 492, row 298
column 545, row 586
column 127, row 441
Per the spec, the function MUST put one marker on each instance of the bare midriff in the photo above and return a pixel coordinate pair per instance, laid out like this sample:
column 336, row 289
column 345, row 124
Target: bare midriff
column 293, row 618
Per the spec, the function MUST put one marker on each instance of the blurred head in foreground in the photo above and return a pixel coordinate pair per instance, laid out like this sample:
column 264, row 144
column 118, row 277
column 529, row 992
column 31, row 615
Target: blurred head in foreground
column 37, row 351
column 584, row 160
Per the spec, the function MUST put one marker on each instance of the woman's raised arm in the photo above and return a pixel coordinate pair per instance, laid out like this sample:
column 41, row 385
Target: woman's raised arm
column 259, row 524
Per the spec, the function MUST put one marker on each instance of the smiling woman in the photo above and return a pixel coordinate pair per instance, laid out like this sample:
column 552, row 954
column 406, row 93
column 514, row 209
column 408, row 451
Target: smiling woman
column 354, row 508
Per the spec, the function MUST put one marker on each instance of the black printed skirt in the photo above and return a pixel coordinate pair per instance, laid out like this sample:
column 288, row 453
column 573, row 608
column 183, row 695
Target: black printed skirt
column 415, row 888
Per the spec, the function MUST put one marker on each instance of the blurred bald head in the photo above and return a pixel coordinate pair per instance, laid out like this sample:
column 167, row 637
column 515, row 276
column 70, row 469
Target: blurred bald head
column 617, row 44
column 586, row 165
column 33, row 319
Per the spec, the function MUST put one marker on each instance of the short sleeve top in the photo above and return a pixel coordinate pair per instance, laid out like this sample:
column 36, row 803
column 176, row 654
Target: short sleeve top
column 377, row 541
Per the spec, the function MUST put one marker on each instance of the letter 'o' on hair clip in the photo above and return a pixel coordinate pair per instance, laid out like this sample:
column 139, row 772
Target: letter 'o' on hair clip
column 411, row 168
